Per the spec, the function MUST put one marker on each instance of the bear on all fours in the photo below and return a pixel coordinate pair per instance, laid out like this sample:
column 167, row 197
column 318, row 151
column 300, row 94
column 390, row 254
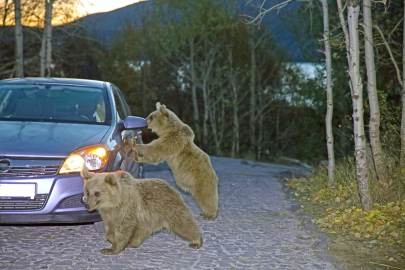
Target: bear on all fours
column 132, row 209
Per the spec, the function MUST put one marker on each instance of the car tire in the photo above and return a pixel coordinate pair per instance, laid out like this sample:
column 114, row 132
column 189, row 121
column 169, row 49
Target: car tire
column 99, row 227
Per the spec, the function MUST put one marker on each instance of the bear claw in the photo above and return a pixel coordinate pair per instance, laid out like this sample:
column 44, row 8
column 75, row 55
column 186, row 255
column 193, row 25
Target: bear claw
column 195, row 246
column 108, row 251
column 207, row 217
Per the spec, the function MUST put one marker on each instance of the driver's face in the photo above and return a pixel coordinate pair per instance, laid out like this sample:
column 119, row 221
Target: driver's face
column 101, row 106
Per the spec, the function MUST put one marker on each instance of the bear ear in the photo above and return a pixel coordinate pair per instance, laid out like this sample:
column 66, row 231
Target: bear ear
column 157, row 105
column 110, row 179
column 163, row 110
column 86, row 174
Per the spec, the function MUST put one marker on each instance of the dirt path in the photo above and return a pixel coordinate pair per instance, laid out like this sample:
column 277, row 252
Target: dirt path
column 256, row 229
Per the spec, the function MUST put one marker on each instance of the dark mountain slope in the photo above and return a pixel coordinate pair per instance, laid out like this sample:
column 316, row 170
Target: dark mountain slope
column 103, row 26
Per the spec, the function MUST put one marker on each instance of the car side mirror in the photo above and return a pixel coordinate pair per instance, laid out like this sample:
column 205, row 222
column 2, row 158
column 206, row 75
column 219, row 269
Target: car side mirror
column 134, row 122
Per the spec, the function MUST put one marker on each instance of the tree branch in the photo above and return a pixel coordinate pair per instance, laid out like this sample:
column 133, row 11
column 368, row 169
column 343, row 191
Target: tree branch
column 396, row 26
column 262, row 11
column 391, row 55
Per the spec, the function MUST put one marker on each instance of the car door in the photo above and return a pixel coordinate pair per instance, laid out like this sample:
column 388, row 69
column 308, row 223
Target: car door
column 127, row 137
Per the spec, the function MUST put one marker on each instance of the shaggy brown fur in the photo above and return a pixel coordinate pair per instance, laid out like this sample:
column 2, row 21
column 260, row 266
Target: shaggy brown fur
column 191, row 167
column 133, row 209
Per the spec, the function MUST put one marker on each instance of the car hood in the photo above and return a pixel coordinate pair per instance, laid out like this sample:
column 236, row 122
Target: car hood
column 44, row 139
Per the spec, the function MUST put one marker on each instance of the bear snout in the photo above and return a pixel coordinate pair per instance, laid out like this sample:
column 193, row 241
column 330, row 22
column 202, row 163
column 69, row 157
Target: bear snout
column 87, row 206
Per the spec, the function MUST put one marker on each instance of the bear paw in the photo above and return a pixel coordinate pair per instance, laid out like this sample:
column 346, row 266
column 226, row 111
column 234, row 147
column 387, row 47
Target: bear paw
column 195, row 246
column 108, row 251
column 207, row 216
column 134, row 245
column 135, row 156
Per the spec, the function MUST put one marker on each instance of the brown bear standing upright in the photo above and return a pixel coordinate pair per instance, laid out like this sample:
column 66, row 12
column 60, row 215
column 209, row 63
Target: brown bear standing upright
column 191, row 167
column 133, row 209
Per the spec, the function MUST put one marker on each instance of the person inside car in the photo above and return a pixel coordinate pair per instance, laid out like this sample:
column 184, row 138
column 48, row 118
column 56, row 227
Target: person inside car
column 99, row 114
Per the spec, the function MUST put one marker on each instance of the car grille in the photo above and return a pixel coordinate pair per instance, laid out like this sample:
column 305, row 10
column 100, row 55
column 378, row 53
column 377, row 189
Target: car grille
column 72, row 201
column 36, row 204
column 30, row 171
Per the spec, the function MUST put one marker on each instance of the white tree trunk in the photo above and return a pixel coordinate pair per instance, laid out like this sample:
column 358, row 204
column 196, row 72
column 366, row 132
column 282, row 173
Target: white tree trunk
column 329, row 95
column 194, row 91
column 345, row 32
column 42, row 54
column 252, row 108
column 19, row 56
column 206, row 117
column 46, row 44
column 403, row 101
column 260, row 137
column 353, row 10
column 374, row 124
column 48, row 22
column 217, row 122
column 235, row 141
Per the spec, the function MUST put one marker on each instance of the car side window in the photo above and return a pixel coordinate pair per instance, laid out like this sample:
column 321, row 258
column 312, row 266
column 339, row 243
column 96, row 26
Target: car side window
column 124, row 103
column 122, row 114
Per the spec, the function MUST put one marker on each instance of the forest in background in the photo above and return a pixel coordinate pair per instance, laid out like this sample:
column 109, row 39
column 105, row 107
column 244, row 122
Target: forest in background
column 224, row 77
column 223, row 73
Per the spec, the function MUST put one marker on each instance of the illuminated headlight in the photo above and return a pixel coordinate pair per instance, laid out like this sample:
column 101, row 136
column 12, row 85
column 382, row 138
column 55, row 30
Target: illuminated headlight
column 93, row 158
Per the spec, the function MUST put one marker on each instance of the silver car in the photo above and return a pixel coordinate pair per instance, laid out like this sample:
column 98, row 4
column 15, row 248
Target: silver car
column 50, row 129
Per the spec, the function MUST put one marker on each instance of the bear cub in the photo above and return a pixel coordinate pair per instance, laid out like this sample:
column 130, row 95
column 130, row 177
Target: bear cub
column 132, row 209
column 191, row 167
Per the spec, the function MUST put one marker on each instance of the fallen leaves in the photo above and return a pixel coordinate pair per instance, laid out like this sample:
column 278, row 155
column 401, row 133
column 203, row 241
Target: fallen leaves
column 385, row 223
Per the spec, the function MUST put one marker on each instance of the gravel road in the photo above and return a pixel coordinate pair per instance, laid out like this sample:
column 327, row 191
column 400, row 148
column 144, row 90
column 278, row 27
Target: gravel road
column 257, row 228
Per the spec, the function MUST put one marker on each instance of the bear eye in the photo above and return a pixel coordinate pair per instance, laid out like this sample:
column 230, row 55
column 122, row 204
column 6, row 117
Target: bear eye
column 88, row 193
column 151, row 118
column 97, row 194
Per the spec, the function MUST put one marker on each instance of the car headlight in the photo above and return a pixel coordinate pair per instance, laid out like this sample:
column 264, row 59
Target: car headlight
column 93, row 158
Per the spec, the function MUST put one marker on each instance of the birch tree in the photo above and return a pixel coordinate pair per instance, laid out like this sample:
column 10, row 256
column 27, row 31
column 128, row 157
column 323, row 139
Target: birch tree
column 196, row 115
column 329, row 94
column 235, row 78
column 356, row 86
column 19, row 57
column 255, row 39
column 252, row 87
column 374, row 124
column 46, row 43
column 402, row 158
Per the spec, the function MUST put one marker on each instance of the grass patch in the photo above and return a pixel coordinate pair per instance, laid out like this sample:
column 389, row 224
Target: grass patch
column 361, row 238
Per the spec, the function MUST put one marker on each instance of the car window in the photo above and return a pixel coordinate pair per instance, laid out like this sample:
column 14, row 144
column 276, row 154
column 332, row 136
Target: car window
column 54, row 103
column 121, row 110
column 124, row 103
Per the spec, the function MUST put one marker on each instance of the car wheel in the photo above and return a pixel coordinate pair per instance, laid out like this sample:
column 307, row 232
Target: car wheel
column 99, row 227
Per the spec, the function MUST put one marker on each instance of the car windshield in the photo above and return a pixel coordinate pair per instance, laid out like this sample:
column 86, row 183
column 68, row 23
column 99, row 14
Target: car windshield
column 54, row 103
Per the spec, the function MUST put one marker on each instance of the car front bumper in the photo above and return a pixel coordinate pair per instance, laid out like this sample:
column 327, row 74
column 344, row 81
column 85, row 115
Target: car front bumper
column 72, row 217
column 61, row 202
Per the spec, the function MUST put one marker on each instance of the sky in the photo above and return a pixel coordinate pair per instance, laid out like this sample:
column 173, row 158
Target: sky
column 96, row 6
